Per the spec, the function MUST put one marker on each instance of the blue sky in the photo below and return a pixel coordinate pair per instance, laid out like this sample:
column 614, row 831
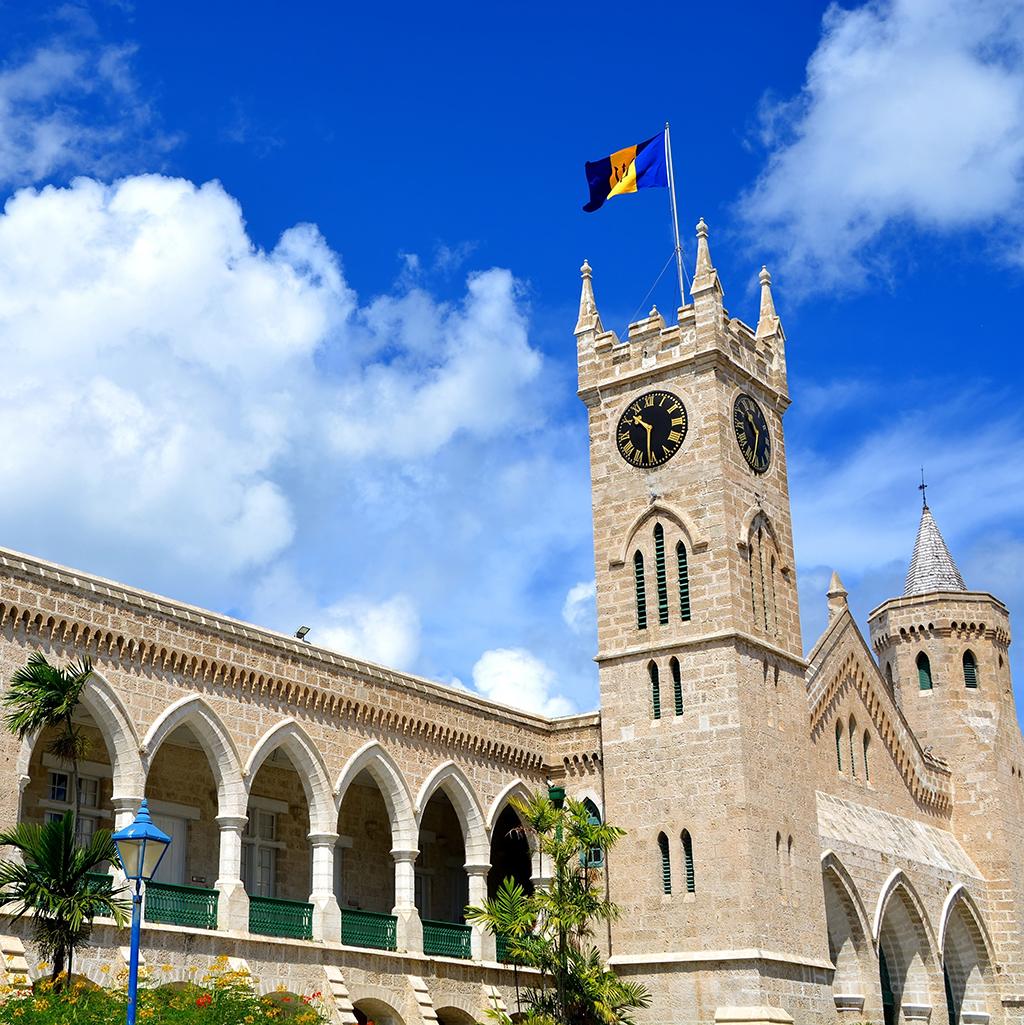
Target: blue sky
column 286, row 298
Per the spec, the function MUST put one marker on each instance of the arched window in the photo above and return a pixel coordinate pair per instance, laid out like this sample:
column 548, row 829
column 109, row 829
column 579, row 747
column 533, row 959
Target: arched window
column 641, row 591
column 760, row 567
column 789, row 851
column 970, row 669
column 652, row 670
column 688, row 861
column 924, row 672
column 660, row 574
column 867, row 769
column 684, row 582
column 853, row 755
column 677, row 685
column 594, row 858
column 839, row 746
column 888, row 674
column 666, row 864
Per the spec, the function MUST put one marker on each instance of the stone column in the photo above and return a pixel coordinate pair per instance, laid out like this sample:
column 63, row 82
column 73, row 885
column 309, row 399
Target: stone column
column 409, row 928
column 232, row 900
column 125, row 809
column 541, row 871
column 326, row 913
column 484, row 942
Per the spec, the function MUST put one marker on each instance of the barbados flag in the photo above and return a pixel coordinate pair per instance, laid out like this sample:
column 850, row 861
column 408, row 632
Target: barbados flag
column 642, row 166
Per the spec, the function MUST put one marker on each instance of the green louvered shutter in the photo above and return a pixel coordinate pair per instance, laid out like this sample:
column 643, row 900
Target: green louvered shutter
column 677, row 685
column 867, row 768
column 839, row 746
column 655, row 690
column 688, row 861
column 924, row 672
column 970, row 670
column 666, row 865
column 659, row 572
column 684, row 582
column 641, row 591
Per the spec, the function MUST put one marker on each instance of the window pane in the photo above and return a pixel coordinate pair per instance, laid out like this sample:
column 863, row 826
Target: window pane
column 89, row 791
column 267, row 825
column 58, row 786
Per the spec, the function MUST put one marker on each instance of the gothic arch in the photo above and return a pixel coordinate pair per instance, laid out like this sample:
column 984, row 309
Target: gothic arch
column 906, row 945
column 100, row 700
column 372, row 758
column 450, row 778
column 849, row 935
column 517, row 788
column 747, row 525
column 695, row 541
column 967, row 959
column 899, row 881
column 203, row 721
column 323, row 815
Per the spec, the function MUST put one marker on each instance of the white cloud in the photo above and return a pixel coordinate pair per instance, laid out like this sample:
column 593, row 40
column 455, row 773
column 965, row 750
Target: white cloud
column 387, row 632
column 912, row 112
column 579, row 610
column 516, row 677
column 72, row 106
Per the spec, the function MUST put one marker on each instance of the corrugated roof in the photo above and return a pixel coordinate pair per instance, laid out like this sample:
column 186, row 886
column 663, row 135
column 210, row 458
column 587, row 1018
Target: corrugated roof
column 931, row 566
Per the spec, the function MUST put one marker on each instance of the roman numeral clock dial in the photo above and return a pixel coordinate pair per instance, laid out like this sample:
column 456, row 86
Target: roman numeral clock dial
column 651, row 430
column 752, row 434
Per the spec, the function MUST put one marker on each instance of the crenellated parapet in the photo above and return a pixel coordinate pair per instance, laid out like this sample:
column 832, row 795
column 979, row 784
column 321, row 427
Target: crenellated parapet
column 702, row 330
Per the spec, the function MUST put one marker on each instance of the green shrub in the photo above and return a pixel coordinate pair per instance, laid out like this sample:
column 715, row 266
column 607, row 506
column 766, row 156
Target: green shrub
column 221, row 996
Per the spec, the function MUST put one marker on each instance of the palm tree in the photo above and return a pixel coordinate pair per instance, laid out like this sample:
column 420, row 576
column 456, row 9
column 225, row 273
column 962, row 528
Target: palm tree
column 42, row 696
column 52, row 881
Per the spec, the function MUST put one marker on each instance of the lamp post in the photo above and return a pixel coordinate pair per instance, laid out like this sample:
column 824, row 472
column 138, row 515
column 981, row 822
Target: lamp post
column 140, row 847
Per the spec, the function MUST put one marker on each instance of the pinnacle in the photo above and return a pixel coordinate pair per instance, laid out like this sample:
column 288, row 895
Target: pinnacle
column 589, row 319
column 768, row 319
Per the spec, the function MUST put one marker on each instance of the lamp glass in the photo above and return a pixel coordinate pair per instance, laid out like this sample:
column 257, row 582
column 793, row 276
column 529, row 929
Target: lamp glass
column 128, row 853
column 154, row 851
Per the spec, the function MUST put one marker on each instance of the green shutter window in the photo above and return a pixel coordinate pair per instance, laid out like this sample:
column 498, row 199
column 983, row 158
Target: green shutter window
column 594, row 858
column 666, row 865
column 924, row 672
column 688, row 861
column 970, row 669
column 684, row 582
column 839, row 746
column 888, row 675
column 677, row 685
column 652, row 668
column 853, row 752
column 659, row 572
column 867, row 770
column 641, row 591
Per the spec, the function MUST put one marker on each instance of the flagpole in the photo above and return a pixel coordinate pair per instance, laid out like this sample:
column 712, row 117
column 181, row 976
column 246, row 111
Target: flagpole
column 675, row 214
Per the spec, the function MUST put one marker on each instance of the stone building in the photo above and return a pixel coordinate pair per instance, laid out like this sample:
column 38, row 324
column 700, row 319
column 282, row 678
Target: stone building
column 834, row 837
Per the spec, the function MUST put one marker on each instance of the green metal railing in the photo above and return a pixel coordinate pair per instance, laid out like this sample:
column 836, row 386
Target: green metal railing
column 501, row 945
column 368, row 929
column 447, row 939
column 100, row 881
column 270, row 916
column 194, row 906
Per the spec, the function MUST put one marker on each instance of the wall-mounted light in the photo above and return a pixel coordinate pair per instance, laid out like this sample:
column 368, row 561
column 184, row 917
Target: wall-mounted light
column 301, row 632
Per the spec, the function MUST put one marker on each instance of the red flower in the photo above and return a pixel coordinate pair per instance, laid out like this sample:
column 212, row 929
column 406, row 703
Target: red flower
column 204, row 1001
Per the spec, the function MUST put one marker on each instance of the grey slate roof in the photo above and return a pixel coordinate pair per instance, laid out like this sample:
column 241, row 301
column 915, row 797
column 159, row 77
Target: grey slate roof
column 931, row 566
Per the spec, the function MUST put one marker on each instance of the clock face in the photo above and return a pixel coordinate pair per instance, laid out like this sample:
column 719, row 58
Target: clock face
column 752, row 433
column 651, row 429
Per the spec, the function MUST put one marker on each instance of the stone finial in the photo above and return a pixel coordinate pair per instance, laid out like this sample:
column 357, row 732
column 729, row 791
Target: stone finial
column 768, row 319
column 837, row 597
column 589, row 319
column 704, row 265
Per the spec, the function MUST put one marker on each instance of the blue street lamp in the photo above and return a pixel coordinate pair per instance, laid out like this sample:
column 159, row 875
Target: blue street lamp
column 140, row 847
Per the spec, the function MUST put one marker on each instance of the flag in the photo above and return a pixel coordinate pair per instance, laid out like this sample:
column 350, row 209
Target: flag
column 642, row 166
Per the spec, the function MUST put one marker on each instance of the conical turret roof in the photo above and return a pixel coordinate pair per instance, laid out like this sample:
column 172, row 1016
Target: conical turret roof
column 931, row 566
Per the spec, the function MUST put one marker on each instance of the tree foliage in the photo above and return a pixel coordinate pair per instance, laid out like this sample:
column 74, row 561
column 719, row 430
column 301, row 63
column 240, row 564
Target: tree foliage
column 551, row 929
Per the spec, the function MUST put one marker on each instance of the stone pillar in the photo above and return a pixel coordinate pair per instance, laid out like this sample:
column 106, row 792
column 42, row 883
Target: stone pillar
column 409, row 928
column 125, row 809
column 484, row 941
column 232, row 900
column 541, row 871
column 326, row 913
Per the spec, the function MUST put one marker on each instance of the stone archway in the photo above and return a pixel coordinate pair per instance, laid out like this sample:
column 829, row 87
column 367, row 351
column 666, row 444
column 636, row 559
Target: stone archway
column 848, row 940
column 376, row 1011
column 906, row 954
column 966, row 962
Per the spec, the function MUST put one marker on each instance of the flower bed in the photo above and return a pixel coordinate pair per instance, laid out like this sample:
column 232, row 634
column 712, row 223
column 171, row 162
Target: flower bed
column 218, row 997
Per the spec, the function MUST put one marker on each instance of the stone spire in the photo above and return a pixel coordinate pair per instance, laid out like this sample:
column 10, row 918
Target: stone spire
column 931, row 566
column 589, row 319
column 706, row 291
column 837, row 597
column 768, row 322
column 705, row 276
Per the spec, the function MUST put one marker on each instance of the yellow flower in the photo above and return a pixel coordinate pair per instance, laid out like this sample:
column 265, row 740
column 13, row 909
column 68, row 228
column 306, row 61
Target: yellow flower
column 166, row 968
column 19, row 1011
column 42, row 966
column 105, row 969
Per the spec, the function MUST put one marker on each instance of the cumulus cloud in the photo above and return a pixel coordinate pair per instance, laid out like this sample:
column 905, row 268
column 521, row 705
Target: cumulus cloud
column 579, row 610
column 514, row 676
column 912, row 113
column 387, row 632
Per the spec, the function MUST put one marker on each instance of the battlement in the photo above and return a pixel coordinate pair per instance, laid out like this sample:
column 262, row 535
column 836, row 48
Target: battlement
column 702, row 329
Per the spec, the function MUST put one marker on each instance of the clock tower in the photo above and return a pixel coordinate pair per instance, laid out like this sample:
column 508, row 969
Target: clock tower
column 703, row 704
